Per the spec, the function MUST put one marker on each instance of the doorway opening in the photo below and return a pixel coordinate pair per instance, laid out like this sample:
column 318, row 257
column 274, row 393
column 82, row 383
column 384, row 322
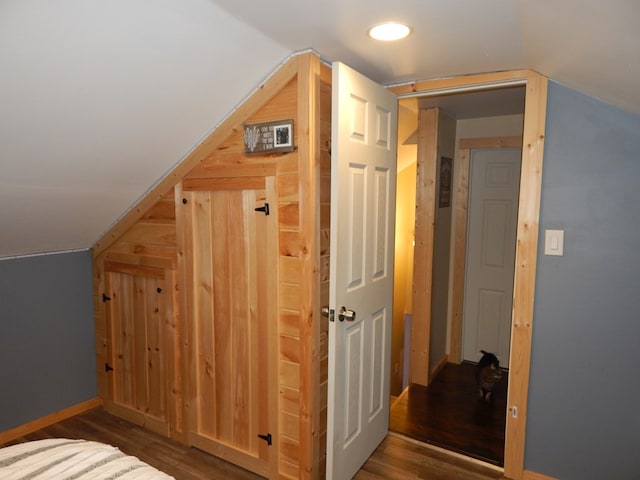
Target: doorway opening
column 443, row 312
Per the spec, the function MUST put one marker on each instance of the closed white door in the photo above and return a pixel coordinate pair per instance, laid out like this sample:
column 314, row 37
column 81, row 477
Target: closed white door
column 491, row 242
column 363, row 173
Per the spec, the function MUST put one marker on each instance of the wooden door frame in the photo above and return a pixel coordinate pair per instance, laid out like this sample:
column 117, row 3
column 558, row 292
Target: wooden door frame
column 526, row 237
column 461, row 180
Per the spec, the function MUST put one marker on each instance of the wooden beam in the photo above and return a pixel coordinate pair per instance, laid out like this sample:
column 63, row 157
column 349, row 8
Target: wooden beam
column 40, row 423
column 424, row 238
column 231, row 124
column 488, row 80
column 525, row 274
column 309, row 221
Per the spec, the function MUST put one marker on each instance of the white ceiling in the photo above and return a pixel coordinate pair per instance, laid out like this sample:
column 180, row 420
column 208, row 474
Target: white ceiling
column 99, row 100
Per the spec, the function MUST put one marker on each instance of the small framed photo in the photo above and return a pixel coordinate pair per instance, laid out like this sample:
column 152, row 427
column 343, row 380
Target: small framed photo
column 282, row 136
column 269, row 137
column 446, row 172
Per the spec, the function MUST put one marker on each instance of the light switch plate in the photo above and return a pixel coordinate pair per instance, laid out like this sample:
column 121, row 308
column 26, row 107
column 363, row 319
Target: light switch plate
column 554, row 242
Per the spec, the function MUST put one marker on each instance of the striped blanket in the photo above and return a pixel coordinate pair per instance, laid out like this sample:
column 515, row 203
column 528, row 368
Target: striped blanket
column 64, row 459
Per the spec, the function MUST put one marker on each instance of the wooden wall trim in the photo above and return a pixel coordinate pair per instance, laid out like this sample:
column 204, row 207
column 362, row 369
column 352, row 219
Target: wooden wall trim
column 40, row 423
column 431, row 87
column 424, row 238
column 309, row 221
column 525, row 273
column 490, row 142
column 232, row 123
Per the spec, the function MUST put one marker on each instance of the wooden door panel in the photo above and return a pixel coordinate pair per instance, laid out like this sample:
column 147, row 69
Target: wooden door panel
column 143, row 349
column 229, row 263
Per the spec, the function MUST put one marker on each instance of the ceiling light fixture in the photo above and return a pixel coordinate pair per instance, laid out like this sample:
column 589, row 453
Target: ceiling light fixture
column 389, row 31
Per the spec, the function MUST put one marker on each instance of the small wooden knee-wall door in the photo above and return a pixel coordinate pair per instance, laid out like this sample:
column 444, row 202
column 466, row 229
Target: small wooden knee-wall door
column 143, row 347
column 228, row 238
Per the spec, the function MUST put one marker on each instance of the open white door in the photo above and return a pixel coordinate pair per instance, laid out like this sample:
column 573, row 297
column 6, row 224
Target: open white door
column 363, row 193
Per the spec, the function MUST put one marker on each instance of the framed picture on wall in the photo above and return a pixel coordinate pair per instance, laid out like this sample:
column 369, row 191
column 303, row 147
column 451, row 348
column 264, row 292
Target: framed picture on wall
column 444, row 192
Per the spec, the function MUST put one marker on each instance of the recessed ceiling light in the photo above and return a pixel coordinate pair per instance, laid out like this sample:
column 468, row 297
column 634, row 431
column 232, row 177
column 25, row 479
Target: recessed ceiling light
column 389, row 31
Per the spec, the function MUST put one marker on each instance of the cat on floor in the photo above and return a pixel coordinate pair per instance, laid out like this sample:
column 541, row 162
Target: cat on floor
column 488, row 373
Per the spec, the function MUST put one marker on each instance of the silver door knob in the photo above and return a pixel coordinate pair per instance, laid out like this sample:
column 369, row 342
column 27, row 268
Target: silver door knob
column 346, row 314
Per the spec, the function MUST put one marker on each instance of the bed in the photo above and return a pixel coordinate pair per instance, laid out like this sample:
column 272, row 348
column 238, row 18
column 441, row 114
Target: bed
column 66, row 459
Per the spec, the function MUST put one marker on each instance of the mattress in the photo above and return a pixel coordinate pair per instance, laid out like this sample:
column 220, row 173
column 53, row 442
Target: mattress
column 65, row 459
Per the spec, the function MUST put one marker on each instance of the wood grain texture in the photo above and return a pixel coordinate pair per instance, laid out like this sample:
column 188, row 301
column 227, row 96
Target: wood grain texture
column 424, row 242
column 308, row 222
column 143, row 348
column 525, row 273
column 27, row 428
column 231, row 124
column 228, row 266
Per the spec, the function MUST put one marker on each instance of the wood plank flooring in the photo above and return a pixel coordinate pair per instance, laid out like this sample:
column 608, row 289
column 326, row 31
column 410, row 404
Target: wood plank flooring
column 395, row 458
column 450, row 414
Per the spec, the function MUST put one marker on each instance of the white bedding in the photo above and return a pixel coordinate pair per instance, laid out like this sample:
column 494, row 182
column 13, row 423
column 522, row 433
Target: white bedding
column 64, row 459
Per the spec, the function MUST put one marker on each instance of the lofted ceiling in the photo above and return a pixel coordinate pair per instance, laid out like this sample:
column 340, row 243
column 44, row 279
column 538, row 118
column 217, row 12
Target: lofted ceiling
column 99, row 100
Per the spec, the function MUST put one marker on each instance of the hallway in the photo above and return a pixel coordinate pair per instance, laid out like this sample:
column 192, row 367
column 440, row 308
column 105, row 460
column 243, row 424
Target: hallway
column 450, row 415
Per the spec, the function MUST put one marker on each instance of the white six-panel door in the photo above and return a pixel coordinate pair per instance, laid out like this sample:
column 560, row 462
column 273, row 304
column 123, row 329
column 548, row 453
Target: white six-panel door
column 363, row 194
column 491, row 246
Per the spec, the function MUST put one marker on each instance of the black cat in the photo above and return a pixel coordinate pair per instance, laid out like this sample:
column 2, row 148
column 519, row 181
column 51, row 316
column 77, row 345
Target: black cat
column 488, row 373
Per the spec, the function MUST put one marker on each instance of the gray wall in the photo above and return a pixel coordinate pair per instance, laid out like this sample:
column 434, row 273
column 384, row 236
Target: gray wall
column 584, row 398
column 47, row 345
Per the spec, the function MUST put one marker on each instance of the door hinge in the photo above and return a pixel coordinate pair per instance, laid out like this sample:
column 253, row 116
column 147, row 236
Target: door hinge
column 266, row 438
column 105, row 297
column 108, row 368
column 264, row 209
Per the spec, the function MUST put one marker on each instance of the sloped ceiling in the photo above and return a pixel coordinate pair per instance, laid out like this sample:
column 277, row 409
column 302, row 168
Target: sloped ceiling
column 99, row 100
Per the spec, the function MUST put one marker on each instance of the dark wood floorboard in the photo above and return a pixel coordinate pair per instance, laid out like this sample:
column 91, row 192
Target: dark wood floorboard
column 395, row 458
column 450, row 414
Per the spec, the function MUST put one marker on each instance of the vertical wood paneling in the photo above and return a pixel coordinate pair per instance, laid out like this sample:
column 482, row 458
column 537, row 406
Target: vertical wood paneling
column 138, row 345
column 461, row 189
column 424, row 234
column 525, row 274
column 155, row 367
column 325, row 235
column 162, row 232
column 143, row 343
column 309, row 221
column 227, row 260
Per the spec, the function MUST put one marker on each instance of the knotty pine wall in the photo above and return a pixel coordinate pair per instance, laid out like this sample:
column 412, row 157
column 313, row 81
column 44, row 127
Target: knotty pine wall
column 146, row 237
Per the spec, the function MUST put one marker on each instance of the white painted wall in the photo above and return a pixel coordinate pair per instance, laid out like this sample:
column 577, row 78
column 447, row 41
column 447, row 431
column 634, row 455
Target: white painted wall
column 100, row 99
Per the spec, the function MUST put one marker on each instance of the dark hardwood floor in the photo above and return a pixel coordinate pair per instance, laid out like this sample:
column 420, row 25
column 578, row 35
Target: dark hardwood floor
column 395, row 458
column 450, row 414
